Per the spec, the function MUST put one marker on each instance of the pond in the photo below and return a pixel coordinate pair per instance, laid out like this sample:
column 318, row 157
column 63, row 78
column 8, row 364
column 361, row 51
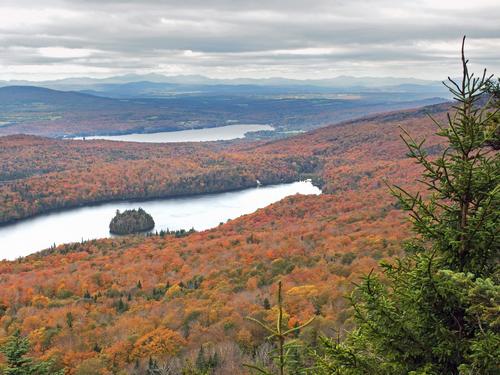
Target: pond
column 83, row 223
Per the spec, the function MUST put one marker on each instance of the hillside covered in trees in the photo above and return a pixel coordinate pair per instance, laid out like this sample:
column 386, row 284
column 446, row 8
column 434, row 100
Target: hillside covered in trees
column 41, row 174
column 121, row 292
column 111, row 304
column 177, row 304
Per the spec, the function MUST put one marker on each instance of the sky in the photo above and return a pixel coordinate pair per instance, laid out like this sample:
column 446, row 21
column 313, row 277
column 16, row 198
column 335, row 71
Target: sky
column 306, row 39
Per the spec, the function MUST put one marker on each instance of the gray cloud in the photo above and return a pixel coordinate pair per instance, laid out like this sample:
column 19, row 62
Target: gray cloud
column 234, row 38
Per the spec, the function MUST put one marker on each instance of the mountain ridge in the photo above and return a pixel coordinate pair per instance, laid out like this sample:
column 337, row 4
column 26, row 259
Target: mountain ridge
column 343, row 80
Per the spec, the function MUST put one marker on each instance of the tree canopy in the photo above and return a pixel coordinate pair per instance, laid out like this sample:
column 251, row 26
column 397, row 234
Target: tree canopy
column 15, row 350
column 436, row 311
column 131, row 221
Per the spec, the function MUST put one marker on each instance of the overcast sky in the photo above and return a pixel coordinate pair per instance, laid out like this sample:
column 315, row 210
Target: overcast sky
column 46, row 39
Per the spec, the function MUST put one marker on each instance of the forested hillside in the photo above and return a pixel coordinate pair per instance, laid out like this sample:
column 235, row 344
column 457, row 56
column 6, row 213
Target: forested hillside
column 41, row 174
column 112, row 304
column 249, row 187
column 177, row 303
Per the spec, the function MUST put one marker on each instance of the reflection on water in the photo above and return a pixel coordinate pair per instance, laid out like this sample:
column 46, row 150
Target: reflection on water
column 198, row 212
column 221, row 133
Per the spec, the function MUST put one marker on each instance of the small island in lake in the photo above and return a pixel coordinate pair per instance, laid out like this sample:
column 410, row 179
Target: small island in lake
column 131, row 221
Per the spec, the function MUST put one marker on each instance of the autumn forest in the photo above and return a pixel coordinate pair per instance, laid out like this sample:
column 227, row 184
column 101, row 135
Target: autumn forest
column 208, row 261
column 110, row 305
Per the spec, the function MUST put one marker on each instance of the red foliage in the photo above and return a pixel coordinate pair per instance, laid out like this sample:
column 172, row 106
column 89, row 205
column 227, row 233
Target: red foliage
column 198, row 289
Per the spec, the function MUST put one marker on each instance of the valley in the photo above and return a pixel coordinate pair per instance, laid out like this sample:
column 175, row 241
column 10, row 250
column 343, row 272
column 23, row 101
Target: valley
column 249, row 187
column 199, row 212
column 199, row 287
column 38, row 174
column 46, row 112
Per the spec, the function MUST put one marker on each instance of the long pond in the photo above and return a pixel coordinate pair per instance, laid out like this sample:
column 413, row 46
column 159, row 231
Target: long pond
column 199, row 212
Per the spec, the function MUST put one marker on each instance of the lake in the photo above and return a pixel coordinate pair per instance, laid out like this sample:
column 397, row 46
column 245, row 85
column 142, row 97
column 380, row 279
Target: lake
column 83, row 223
column 221, row 133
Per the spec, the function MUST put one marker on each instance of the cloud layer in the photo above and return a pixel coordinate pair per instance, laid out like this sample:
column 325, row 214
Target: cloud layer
column 234, row 38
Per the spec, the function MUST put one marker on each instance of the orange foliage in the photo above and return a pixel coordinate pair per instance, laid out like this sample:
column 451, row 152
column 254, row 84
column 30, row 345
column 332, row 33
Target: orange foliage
column 158, row 343
column 199, row 288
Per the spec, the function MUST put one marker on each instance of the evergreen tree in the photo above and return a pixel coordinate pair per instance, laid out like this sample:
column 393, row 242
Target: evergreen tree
column 266, row 304
column 494, row 90
column 121, row 306
column 15, row 350
column 206, row 364
column 200, row 360
column 69, row 319
column 285, row 355
column 437, row 310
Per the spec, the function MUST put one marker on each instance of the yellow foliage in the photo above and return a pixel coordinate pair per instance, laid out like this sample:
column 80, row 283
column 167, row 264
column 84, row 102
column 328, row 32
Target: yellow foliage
column 40, row 301
column 304, row 291
column 174, row 291
column 244, row 338
column 36, row 337
column 272, row 315
column 159, row 342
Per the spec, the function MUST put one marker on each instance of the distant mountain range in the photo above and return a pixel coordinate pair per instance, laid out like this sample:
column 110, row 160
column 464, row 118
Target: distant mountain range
column 341, row 81
column 157, row 85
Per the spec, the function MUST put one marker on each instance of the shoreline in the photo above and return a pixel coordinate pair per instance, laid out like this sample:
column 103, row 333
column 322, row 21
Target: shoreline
column 149, row 199
column 138, row 132
column 209, row 219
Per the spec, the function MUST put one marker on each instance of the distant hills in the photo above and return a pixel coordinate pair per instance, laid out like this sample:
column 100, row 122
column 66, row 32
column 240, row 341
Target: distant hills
column 340, row 81
column 134, row 107
column 19, row 96
column 157, row 85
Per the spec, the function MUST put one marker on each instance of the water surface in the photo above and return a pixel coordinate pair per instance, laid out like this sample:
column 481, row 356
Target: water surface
column 221, row 133
column 84, row 223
